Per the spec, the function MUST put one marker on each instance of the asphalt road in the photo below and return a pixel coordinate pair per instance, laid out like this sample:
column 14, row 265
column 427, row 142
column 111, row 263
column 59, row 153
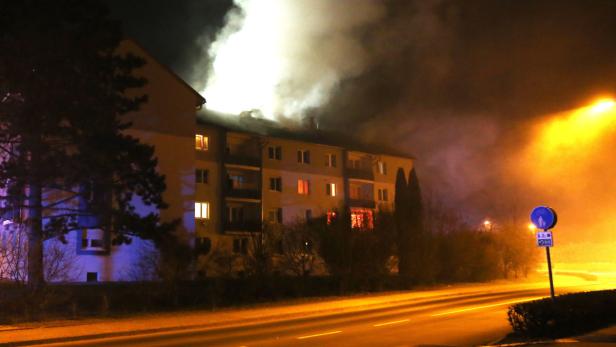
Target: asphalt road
column 453, row 316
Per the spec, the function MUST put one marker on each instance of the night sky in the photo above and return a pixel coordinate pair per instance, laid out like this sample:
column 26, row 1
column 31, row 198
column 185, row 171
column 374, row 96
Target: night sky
column 458, row 84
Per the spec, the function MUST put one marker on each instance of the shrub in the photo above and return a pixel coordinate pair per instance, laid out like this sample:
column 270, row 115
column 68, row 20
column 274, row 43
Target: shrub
column 566, row 315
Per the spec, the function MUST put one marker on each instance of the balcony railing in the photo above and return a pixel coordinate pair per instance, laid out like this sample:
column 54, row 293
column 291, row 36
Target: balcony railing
column 250, row 226
column 245, row 160
column 362, row 173
column 362, row 202
column 244, row 193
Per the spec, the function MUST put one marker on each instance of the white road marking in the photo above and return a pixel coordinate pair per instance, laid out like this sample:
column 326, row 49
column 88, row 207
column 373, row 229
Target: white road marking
column 390, row 323
column 320, row 334
column 484, row 306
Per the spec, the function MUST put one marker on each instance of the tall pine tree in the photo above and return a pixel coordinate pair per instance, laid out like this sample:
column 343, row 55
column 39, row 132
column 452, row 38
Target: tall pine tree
column 62, row 95
column 402, row 223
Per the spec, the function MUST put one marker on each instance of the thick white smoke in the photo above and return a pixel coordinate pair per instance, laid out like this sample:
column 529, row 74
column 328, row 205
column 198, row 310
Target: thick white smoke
column 285, row 57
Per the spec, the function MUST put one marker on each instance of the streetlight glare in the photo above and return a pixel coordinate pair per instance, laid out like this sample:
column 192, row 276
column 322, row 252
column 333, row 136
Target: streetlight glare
column 602, row 106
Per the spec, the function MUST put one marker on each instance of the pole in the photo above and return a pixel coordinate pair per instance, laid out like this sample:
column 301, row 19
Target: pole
column 547, row 252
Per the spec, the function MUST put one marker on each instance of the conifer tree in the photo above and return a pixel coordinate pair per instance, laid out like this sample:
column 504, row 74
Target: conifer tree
column 64, row 156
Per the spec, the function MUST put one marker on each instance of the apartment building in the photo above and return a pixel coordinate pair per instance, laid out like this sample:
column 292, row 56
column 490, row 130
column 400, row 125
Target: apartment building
column 250, row 171
column 228, row 176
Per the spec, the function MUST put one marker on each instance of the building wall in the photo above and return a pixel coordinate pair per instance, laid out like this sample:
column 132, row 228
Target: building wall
column 166, row 121
column 294, row 205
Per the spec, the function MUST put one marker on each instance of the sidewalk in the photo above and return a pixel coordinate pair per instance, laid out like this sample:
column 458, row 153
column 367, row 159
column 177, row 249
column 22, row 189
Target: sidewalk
column 602, row 337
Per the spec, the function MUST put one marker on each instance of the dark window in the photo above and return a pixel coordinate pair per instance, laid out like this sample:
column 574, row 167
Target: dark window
column 201, row 176
column 276, row 184
column 92, row 277
column 203, row 245
column 244, row 246
column 97, row 243
column 240, row 246
column 308, row 215
column 275, row 216
column 330, row 160
column 385, row 195
column 274, row 152
column 303, row 157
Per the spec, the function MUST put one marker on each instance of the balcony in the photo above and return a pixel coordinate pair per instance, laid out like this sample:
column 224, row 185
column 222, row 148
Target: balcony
column 245, row 226
column 243, row 160
column 362, row 202
column 254, row 194
column 360, row 173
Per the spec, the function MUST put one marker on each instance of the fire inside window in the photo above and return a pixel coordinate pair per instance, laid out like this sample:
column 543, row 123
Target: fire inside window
column 201, row 142
column 303, row 186
column 362, row 218
column 330, row 189
column 202, row 210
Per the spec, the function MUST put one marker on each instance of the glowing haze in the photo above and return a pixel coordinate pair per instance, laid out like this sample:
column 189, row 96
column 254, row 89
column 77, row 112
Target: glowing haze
column 285, row 57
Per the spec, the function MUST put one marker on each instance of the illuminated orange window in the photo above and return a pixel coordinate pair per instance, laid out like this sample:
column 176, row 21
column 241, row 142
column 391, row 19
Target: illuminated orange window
column 201, row 142
column 331, row 217
column 362, row 218
column 303, row 186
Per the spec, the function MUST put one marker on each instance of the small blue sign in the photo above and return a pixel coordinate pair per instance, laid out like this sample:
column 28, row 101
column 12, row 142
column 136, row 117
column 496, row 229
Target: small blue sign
column 543, row 217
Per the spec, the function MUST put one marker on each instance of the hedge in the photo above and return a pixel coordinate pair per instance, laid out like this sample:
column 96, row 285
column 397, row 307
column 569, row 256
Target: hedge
column 85, row 299
column 566, row 315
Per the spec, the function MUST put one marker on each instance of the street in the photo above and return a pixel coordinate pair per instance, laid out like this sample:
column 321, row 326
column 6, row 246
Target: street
column 454, row 315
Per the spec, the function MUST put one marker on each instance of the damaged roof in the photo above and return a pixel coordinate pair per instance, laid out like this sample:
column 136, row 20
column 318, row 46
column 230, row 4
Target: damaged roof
column 250, row 122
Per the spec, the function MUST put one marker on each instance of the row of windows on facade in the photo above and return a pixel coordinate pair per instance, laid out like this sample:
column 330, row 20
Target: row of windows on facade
column 303, row 156
column 303, row 186
column 360, row 218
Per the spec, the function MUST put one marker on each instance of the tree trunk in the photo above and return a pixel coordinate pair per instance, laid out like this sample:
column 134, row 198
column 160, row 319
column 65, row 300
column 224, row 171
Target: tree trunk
column 35, row 237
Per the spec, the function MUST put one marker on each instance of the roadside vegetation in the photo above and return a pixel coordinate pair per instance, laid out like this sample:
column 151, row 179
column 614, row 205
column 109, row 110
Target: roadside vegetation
column 566, row 315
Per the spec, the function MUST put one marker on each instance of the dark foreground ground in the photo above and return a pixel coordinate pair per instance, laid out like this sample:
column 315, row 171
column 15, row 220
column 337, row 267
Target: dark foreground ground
column 463, row 315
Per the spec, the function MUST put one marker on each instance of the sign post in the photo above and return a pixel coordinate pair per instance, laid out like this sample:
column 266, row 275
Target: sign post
column 545, row 218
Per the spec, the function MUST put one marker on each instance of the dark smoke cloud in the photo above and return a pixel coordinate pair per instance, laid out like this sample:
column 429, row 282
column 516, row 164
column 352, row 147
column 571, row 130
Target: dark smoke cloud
column 456, row 83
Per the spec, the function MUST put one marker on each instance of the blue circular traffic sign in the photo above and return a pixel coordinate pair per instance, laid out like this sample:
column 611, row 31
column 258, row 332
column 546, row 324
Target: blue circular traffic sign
column 543, row 217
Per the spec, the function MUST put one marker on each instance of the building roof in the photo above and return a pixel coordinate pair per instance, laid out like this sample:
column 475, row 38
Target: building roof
column 249, row 123
column 150, row 58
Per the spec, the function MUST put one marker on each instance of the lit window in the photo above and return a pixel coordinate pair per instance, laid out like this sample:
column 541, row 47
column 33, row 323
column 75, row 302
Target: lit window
column 330, row 160
column 331, row 217
column 201, row 142
column 202, row 210
column 382, row 167
column 330, row 189
column 303, row 157
column 303, row 187
column 361, row 218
